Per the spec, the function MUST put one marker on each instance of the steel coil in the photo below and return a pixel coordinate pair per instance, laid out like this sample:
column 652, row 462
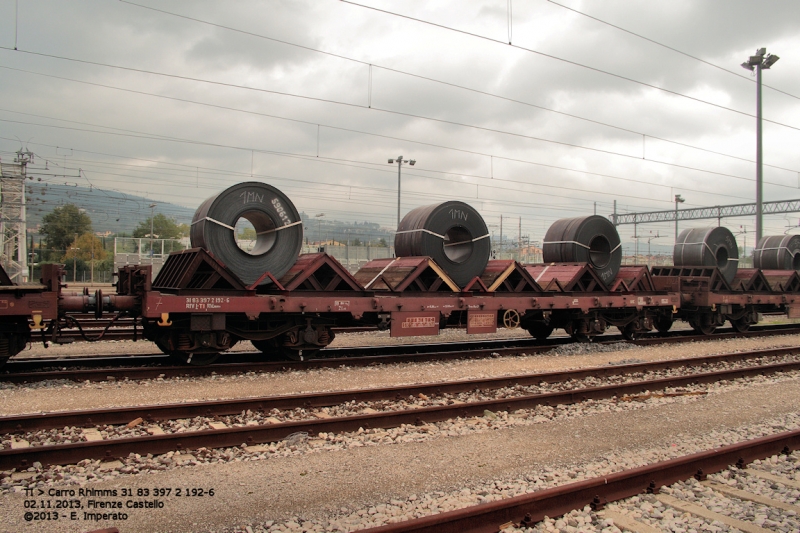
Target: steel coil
column 591, row 239
column 708, row 247
column 452, row 233
column 279, row 230
column 777, row 252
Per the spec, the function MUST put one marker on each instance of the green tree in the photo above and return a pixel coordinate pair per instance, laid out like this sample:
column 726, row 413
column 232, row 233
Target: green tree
column 163, row 228
column 248, row 234
column 84, row 248
column 61, row 226
column 382, row 242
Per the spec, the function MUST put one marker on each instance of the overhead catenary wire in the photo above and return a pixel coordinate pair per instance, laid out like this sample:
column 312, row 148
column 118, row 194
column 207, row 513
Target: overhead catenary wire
column 432, row 171
column 361, row 106
column 681, row 52
column 250, row 149
column 370, row 65
column 135, row 135
column 517, row 160
column 575, row 63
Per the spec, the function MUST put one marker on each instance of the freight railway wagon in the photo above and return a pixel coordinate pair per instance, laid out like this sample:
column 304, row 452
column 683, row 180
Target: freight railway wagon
column 206, row 299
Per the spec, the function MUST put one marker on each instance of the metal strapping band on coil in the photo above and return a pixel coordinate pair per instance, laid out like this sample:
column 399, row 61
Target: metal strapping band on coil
column 463, row 242
column 214, row 221
column 280, row 228
column 429, row 232
column 682, row 244
column 579, row 244
column 368, row 285
column 234, row 229
column 568, row 242
column 779, row 248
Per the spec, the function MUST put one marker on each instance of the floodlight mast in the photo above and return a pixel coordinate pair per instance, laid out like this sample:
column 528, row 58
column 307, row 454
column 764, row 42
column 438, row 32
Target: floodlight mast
column 756, row 64
column 400, row 162
column 678, row 200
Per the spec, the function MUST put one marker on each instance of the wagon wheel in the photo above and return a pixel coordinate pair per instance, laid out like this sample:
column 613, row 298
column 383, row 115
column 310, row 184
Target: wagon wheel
column 270, row 349
column 573, row 329
column 187, row 358
column 540, row 331
column 630, row 332
column 275, row 350
column 511, row 319
column 663, row 324
column 7, row 350
column 740, row 324
column 700, row 327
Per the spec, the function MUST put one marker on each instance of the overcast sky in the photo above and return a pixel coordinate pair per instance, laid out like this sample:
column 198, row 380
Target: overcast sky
column 178, row 105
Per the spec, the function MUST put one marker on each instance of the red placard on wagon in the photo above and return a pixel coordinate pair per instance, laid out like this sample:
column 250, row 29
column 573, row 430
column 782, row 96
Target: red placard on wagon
column 481, row 322
column 409, row 324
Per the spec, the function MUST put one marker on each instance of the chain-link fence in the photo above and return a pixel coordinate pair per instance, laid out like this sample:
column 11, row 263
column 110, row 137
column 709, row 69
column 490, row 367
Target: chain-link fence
column 144, row 251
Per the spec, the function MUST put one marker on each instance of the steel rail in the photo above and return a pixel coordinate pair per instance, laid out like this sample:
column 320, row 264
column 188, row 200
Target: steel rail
column 151, row 413
column 220, row 438
column 356, row 356
column 415, row 355
column 527, row 509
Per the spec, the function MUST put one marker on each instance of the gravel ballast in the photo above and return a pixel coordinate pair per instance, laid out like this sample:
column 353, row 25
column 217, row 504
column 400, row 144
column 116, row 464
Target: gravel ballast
column 315, row 483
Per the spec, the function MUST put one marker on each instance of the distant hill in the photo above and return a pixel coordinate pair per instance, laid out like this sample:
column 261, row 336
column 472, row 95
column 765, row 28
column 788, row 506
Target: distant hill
column 109, row 210
column 120, row 213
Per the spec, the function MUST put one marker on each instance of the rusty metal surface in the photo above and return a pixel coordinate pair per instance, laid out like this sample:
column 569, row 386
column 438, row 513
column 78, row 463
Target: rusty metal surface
column 414, row 323
column 508, row 276
column 566, row 277
column 783, row 280
column 415, row 274
column 481, row 322
column 196, row 269
column 319, row 272
column 750, row 279
column 632, row 278
column 120, row 448
column 533, row 507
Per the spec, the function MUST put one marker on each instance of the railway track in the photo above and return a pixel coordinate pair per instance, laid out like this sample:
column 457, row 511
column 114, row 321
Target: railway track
column 388, row 409
column 527, row 509
column 103, row 368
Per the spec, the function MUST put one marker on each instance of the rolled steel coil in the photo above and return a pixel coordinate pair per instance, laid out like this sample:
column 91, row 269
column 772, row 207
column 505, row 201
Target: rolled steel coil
column 279, row 230
column 708, row 247
column 591, row 239
column 777, row 252
column 452, row 233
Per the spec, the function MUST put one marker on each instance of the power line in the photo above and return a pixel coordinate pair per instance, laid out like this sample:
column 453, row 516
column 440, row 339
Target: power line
column 142, row 135
column 574, row 63
column 425, row 195
column 161, row 137
column 434, row 80
column 135, row 134
column 669, row 47
column 360, row 106
column 350, row 130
